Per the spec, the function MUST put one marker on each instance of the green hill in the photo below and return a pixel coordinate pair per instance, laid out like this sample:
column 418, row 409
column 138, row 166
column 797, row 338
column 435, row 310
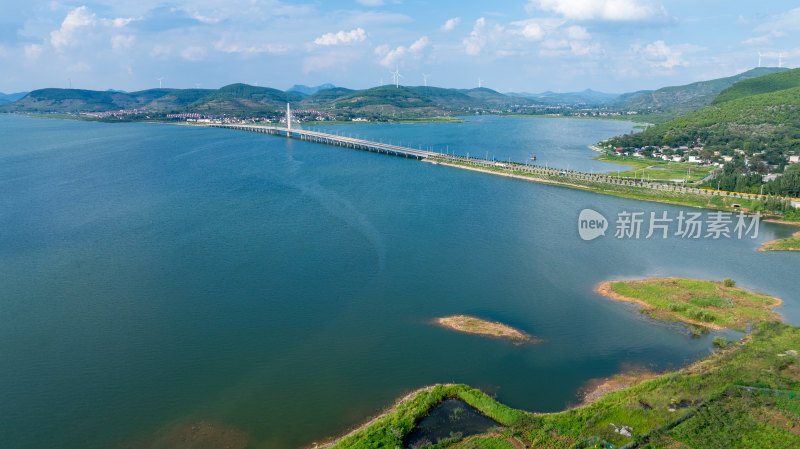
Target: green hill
column 73, row 100
column 586, row 97
column 768, row 121
column 178, row 100
column 446, row 98
column 676, row 100
column 760, row 85
column 399, row 102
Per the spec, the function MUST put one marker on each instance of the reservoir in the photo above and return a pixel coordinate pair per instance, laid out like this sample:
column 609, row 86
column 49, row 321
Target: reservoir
column 160, row 280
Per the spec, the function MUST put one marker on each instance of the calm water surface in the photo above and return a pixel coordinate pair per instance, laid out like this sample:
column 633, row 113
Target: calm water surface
column 156, row 276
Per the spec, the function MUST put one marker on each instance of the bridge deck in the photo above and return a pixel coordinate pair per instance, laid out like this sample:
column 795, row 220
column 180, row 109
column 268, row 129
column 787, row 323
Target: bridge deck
column 332, row 139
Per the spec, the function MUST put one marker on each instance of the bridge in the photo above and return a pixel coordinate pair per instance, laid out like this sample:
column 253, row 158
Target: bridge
column 332, row 139
column 531, row 172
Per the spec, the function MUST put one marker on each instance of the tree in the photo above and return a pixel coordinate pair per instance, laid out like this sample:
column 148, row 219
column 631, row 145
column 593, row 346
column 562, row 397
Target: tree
column 728, row 282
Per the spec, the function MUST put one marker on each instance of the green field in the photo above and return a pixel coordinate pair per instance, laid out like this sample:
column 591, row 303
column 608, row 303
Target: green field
column 655, row 169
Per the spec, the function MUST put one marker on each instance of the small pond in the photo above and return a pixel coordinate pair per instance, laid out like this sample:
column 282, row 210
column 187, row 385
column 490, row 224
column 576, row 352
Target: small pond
column 452, row 418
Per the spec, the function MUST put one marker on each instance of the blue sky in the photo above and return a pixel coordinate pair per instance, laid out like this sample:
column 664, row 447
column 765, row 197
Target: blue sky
column 524, row 45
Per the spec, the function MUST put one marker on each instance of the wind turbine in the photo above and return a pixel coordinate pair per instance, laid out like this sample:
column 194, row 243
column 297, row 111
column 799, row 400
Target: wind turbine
column 780, row 60
column 396, row 76
column 759, row 59
column 160, row 81
column 425, row 79
column 480, row 83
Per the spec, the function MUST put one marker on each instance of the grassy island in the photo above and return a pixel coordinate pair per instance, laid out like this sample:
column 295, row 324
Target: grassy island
column 704, row 304
column 472, row 325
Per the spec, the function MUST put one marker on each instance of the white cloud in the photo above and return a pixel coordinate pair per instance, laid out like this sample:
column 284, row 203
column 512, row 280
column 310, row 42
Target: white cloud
column 764, row 39
column 77, row 18
column 193, row 53
column 419, row 45
column 342, row 37
column 82, row 18
column 33, row 51
column 120, row 41
column 535, row 29
column 371, row 2
column 451, row 24
column 613, row 10
column 118, row 22
column 659, row 55
column 3, row 52
column 225, row 46
column 474, row 43
column 392, row 57
column 205, row 19
column 578, row 33
column 787, row 21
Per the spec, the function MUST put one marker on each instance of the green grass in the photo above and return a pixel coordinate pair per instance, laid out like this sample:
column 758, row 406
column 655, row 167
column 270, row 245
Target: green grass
column 788, row 244
column 666, row 170
column 706, row 302
column 389, row 430
column 738, row 419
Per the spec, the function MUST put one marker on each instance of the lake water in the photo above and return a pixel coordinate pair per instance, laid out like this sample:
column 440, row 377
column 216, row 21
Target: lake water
column 158, row 279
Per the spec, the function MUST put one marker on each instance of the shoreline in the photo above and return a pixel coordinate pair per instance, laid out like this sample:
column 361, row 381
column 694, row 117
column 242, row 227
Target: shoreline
column 586, row 188
column 331, row 442
column 594, row 389
column 769, row 245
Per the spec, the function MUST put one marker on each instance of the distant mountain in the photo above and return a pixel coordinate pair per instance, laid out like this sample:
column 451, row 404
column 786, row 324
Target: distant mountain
column 423, row 101
column 244, row 99
column 10, row 98
column 233, row 99
column 761, row 85
column 677, row 100
column 325, row 96
column 79, row 100
column 483, row 97
column 587, row 97
column 307, row 90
